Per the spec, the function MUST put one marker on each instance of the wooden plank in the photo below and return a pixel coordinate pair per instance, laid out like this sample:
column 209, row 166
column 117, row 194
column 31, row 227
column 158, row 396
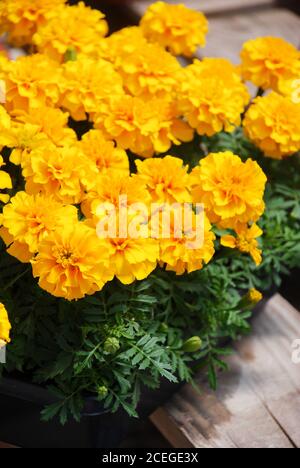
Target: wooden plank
column 227, row 34
column 209, row 7
column 257, row 404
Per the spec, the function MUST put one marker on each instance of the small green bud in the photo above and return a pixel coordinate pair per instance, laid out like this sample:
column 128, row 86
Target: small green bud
column 102, row 392
column 164, row 328
column 111, row 345
column 70, row 55
column 192, row 344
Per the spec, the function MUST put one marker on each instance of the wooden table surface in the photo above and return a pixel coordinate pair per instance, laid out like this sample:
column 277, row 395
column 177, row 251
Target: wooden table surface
column 257, row 404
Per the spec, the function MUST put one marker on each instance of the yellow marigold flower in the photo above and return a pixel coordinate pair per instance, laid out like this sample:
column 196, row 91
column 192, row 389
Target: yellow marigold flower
column 5, row 326
column 232, row 191
column 144, row 127
column 273, row 124
column 213, row 97
column 21, row 18
column 72, row 262
column 187, row 253
column 245, row 241
column 32, row 81
column 64, row 173
column 37, row 128
column 150, row 71
column 291, row 88
column 122, row 43
column 50, row 121
column 86, row 84
column 30, row 218
column 267, row 60
column 5, row 182
column 175, row 27
column 166, row 178
column 132, row 257
column 255, row 296
column 105, row 154
column 23, row 139
column 111, row 188
column 76, row 27
column 5, row 127
column 16, row 249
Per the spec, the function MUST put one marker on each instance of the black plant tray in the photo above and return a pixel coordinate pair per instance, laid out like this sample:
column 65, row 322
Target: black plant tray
column 20, row 424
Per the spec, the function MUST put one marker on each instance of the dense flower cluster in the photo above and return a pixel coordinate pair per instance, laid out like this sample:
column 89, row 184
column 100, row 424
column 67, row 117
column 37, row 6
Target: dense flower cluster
column 81, row 114
column 22, row 18
column 77, row 28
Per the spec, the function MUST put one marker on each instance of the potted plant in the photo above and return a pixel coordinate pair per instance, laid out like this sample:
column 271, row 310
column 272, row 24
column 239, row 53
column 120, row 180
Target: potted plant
column 133, row 206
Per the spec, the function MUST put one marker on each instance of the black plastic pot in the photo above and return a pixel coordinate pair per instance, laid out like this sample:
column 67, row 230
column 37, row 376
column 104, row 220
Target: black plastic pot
column 20, row 424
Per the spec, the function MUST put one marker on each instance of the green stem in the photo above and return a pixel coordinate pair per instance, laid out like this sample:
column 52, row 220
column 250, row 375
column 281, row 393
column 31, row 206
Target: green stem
column 15, row 280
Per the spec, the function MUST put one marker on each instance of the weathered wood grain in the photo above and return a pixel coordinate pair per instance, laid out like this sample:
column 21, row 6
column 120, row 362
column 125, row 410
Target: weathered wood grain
column 227, row 34
column 257, row 404
column 207, row 6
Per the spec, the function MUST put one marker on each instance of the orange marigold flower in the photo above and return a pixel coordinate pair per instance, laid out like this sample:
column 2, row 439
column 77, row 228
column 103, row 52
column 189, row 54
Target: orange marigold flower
column 133, row 259
column 122, row 43
column 30, row 218
column 267, row 60
column 72, row 262
column 64, row 173
column 246, row 241
column 86, row 84
column 167, row 179
column 150, row 71
column 175, row 27
column 112, row 188
column 21, row 18
column 213, row 97
column 32, row 81
column 273, row 124
column 39, row 127
column 143, row 127
column 105, row 154
column 232, row 191
column 78, row 28
column 190, row 249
